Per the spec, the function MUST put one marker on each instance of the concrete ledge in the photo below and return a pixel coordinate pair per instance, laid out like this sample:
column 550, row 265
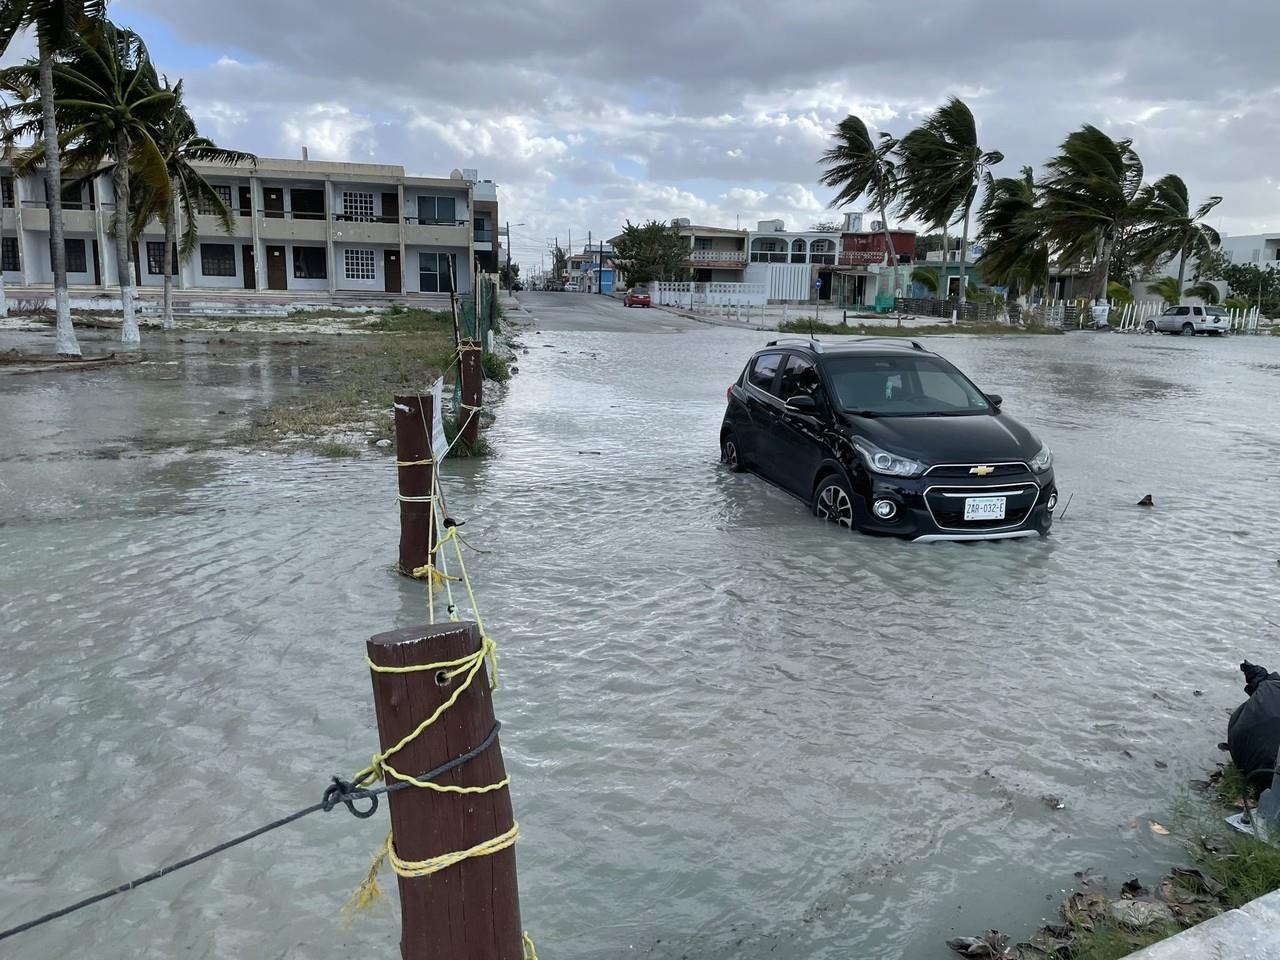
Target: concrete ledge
column 1249, row 933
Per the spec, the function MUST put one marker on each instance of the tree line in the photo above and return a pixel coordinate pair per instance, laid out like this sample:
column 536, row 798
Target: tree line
column 92, row 102
column 1090, row 208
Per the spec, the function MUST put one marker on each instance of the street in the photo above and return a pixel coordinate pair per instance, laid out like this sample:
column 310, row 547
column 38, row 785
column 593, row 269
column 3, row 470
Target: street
column 586, row 311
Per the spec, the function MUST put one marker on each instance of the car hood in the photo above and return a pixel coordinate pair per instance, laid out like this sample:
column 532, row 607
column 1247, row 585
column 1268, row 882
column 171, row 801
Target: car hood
column 983, row 438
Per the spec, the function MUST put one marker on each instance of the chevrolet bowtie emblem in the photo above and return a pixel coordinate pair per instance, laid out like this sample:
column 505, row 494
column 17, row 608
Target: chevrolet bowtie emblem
column 982, row 471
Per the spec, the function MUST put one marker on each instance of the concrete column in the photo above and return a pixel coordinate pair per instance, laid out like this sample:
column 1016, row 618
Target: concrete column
column 328, row 235
column 254, row 206
column 404, row 263
column 105, row 246
column 17, row 223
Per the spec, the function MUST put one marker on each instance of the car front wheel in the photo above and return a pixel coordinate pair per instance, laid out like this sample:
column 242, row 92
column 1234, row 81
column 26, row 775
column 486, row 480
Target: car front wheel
column 833, row 501
column 1151, row 326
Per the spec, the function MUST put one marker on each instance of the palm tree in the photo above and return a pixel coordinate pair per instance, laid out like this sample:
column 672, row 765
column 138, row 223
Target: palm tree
column 927, row 277
column 942, row 167
column 1173, row 227
column 1204, row 290
column 1014, row 252
column 109, row 100
column 182, row 146
column 1119, row 293
column 1089, row 197
column 861, row 168
column 56, row 23
column 1167, row 289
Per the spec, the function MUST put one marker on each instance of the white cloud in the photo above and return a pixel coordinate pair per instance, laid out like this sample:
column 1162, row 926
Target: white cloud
column 330, row 131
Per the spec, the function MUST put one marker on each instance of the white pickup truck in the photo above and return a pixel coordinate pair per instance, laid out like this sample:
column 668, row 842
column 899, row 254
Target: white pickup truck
column 1189, row 321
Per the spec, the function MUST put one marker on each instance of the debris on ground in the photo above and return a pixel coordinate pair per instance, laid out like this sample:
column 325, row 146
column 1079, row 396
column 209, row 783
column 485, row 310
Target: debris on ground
column 1146, row 501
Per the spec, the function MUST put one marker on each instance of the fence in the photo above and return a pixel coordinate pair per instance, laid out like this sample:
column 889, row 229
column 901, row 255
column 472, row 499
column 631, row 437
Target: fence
column 695, row 296
column 478, row 315
column 970, row 311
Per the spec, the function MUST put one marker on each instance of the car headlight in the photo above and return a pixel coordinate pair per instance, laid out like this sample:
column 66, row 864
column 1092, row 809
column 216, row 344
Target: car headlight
column 1042, row 461
column 889, row 464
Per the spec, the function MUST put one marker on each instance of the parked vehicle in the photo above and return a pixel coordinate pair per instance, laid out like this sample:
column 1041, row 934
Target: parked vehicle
column 571, row 288
column 886, row 437
column 637, row 298
column 1189, row 321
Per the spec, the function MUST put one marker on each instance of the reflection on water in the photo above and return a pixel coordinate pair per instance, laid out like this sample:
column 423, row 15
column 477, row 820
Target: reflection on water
column 733, row 732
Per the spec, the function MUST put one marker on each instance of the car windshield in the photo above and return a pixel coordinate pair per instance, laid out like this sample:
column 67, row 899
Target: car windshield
column 1215, row 311
column 905, row 386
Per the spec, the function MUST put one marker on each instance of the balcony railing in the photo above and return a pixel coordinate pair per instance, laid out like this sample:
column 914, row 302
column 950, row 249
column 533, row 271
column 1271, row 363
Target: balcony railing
column 828, row 258
column 484, row 236
column 427, row 222
column 858, row 258
column 66, row 205
column 718, row 256
column 768, row 256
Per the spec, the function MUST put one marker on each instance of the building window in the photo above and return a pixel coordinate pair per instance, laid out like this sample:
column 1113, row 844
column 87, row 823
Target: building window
column 310, row 263
column 6, row 187
column 437, row 210
column 307, row 204
column 217, row 260
column 357, row 206
column 702, row 243
column 155, row 259
column 76, row 262
column 433, row 272
column 359, row 264
column 482, row 231
column 224, row 194
column 9, row 254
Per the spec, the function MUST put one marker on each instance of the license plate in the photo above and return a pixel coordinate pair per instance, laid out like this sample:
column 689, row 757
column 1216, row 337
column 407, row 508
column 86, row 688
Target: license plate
column 984, row 508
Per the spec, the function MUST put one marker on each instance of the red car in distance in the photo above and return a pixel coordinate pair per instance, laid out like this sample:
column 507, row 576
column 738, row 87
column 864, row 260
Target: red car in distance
column 637, row 299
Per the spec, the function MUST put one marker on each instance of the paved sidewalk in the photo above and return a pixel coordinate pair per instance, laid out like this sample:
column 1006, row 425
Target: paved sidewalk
column 1249, row 933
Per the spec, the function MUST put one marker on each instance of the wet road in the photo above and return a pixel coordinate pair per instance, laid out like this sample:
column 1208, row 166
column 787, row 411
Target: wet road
column 732, row 731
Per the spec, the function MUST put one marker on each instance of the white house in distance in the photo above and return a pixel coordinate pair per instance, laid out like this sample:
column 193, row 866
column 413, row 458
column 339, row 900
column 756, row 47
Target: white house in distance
column 791, row 263
column 304, row 230
column 1260, row 249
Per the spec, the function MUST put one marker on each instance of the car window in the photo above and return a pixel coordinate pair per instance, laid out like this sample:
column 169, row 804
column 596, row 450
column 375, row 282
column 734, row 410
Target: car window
column 902, row 387
column 1171, row 312
column 1215, row 311
column 1198, row 311
column 764, row 370
column 799, row 376
column 1183, row 312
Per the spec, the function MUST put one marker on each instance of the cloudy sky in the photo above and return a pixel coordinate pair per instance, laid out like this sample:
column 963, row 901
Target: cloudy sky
column 718, row 110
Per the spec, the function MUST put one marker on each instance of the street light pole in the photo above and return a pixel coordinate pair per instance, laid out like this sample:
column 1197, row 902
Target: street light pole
column 508, row 256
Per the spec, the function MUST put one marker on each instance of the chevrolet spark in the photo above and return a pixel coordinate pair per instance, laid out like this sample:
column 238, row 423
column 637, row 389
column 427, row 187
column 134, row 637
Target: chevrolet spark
column 885, row 437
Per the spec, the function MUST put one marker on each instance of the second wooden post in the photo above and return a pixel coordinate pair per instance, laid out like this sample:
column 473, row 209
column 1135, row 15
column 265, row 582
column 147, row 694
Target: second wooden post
column 416, row 471
column 471, row 385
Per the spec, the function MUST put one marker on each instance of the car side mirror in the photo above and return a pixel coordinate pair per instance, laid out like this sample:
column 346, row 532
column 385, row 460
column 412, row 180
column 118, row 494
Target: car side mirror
column 802, row 403
column 995, row 399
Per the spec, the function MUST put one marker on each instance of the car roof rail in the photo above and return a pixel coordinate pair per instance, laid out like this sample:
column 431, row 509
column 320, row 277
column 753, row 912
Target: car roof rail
column 814, row 345
column 915, row 344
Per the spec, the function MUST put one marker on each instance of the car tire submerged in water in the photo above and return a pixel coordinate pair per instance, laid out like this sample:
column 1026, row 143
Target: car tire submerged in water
column 1188, row 330
column 729, row 454
column 833, row 501
column 1151, row 326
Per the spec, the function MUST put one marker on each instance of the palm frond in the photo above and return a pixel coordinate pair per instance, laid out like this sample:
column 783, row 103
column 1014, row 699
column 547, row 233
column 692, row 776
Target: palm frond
column 1206, row 291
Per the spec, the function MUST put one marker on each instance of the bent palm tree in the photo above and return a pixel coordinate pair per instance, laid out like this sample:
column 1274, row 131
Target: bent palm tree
column 56, row 23
column 1014, row 252
column 1089, row 197
column 943, row 166
column 1167, row 289
column 927, row 277
column 860, row 168
column 110, row 100
column 182, row 146
column 1172, row 226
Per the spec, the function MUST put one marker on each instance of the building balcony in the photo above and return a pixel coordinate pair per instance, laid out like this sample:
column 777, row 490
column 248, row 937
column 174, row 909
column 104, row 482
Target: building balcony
column 861, row 258
column 442, row 233
column 735, row 258
column 484, row 236
column 378, row 230
column 768, row 256
column 292, row 226
column 35, row 216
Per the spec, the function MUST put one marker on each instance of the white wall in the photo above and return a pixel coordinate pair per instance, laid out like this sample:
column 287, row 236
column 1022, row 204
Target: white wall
column 198, row 279
column 299, row 283
column 35, row 254
column 783, row 281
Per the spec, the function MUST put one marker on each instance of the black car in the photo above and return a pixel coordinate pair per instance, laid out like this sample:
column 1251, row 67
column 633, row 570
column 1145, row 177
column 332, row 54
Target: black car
column 886, row 437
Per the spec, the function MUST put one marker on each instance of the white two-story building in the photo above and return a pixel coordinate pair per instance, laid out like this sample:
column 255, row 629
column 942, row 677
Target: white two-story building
column 304, row 230
column 794, row 265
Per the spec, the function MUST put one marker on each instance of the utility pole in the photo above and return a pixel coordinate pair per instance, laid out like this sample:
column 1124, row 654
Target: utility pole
column 508, row 256
column 588, row 242
column 600, row 270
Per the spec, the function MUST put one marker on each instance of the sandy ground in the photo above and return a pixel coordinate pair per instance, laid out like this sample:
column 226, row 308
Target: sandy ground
column 339, row 322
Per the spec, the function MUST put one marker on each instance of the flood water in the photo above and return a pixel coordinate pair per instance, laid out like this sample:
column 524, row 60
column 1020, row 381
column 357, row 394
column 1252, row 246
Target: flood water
column 733, row 732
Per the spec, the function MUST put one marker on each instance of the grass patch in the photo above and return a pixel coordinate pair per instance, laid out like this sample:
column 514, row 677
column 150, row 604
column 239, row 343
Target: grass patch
column 1248, row 869
column 495, row 368
column 1110, row 941
column 328, row 314
column 939, row 329
column 363, row 374
column 332, row 448
column 400, row 319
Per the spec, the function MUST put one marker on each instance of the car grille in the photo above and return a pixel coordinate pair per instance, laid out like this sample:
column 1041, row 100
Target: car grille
column 961, row 470
column 946, row 506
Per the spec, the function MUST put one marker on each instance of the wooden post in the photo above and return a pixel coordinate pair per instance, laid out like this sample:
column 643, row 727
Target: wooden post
column 470, row 910
column 413, row 445
column 471, row 385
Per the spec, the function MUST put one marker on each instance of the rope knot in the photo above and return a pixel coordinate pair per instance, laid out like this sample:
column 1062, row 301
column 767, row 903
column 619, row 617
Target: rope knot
column 341, row 791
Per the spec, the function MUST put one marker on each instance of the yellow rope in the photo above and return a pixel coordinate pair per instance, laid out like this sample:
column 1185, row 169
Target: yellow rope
column 414, row 463
column 424, row 868
column 526, row 943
